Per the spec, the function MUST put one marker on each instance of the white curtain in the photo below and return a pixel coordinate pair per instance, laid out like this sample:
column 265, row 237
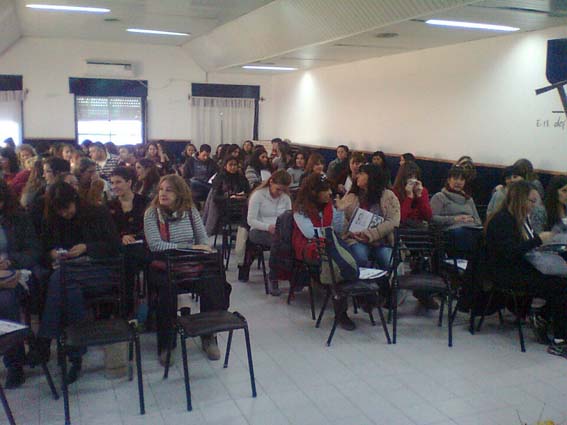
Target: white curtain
column 11, row 115
column 216, row 120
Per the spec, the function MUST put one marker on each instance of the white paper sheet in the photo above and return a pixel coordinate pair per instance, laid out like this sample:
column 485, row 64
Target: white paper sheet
column 365, row 273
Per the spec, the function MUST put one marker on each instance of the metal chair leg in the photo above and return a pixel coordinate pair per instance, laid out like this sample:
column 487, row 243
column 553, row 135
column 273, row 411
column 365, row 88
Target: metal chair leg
column 519, row 320
column 227, row 354
column 394, row 308
column 263, row 264
column 384, row 326
column 186, row 372
column 333, row 329
column 130, row 359
column 54, row 392
column 325, row 301
column 6, row 407
column 450, row 319
column 250, row 362
column 63, row 360
column 139, row 377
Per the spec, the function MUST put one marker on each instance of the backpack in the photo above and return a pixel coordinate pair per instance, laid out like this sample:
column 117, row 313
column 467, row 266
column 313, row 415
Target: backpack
column 344, row 265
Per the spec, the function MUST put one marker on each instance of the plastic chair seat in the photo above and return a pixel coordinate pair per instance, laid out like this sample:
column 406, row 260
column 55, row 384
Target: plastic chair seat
column 422, row 281
column 100, row 332
column 209, row 323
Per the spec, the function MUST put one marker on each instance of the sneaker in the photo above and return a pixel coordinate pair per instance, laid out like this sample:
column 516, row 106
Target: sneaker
column 558, row 348
column 274, row 288
column 211, row 347
column 346, row 322
column 163, row 358
column 539, row 327
column 14, row 378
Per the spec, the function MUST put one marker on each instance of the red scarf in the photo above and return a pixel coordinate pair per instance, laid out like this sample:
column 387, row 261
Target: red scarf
column 326, row 220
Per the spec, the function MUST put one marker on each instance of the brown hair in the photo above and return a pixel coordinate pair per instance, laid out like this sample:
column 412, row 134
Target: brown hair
column 314, row 159
column 516, row 203
column 279, row 177
column 306, row 198
column 183, row 197
column 405, row 172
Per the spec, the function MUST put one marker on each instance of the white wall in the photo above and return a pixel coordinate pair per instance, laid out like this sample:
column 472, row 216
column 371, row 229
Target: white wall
column 47, row 64
column 475, row 98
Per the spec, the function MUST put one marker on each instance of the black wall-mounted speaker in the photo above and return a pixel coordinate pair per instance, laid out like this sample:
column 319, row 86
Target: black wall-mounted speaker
column 556, row 70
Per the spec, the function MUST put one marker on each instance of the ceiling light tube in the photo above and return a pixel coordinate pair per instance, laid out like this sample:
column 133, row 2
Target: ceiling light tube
column 156, row 32
column 470, row 25
column 270, row 68
column 61, row 8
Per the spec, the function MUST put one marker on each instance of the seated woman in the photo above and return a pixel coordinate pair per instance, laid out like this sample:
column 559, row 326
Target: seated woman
column 258, row 169
column 313, row 211
column 233, row 151
column 283, row 160
column 509, row 175
column 379, row 158
column 189, row 151
column 172, row 222
column 297, row 169
column 9, row 166
column 472, row 186
column 80, row 229
column 509, row 236
column 415, row 212
column 92, row 189
column 247, row 150
column 19, row 249
column 369, row 193
column 455, row 211
column 338, row 166
column 229, row 184
column 315, row 165
column 148, row 178
column 346, row 182
column 156, row 154
column 127, row 211
column 556, row 204
column 266, row 203
column 413, row 196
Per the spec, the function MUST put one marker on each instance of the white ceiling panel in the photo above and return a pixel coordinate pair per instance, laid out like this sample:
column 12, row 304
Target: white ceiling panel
column 193, row 16
column 9, row 25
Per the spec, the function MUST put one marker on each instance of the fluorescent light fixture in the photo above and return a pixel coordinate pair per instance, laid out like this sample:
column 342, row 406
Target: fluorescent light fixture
column 61, row 8
column 470, row 25
column 270, row 68
column 156, row 32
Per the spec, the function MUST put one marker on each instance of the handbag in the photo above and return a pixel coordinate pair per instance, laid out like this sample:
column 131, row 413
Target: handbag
column 344, row 265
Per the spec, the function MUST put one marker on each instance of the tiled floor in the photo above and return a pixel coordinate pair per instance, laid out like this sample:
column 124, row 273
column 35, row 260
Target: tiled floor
column 483, row 380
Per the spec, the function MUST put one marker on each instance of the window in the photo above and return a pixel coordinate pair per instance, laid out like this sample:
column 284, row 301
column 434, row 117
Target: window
column 11, row 97
column 110, row 119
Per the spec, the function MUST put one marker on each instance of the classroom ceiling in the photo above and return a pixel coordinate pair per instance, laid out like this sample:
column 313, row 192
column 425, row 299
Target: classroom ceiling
column 226, row 34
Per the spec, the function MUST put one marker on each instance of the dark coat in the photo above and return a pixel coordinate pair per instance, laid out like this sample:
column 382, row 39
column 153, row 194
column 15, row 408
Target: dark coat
column 202, row 171
column 506, row 249
column 92, row 226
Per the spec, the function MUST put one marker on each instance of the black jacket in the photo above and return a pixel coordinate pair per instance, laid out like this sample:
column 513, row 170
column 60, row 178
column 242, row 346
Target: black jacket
column 23, row 246
column 226, row 184
column 199, row 170
column 506, row 249
column 91, row 225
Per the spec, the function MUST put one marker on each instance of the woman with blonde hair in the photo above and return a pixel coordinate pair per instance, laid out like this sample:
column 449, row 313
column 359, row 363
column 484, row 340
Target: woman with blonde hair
column 24, row 153
column 266, row 204
column 172, row 222
column 509, row 237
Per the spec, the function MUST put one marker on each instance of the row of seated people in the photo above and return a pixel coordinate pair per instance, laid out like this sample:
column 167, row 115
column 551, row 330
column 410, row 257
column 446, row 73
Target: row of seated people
column 73, row 228
column 452, row 209
column 369, row 189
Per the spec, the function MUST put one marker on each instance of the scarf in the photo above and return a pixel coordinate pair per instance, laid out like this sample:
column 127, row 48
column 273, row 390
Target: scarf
column 164, row 218
column 327, row 218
